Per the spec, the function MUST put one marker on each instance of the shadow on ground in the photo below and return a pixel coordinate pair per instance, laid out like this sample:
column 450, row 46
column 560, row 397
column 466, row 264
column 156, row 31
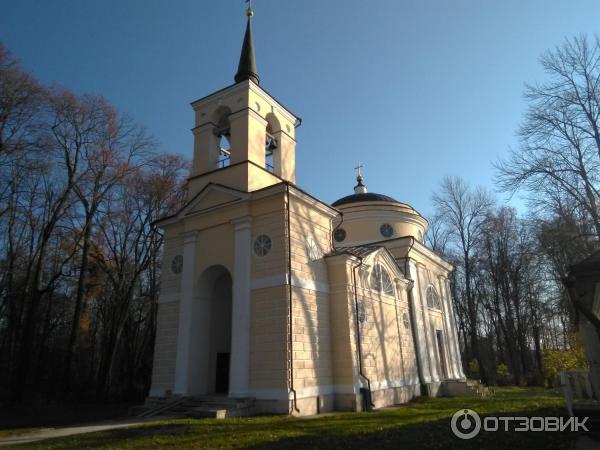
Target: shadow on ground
column 374, row 430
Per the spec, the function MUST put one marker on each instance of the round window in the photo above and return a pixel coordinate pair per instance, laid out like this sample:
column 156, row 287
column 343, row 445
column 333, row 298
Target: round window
column 405, row 320
column 177, row 264
column 386, row 230
column 339, row 234
column 262, row 245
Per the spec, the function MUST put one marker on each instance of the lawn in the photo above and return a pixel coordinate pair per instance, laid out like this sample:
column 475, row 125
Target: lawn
column 424, row 423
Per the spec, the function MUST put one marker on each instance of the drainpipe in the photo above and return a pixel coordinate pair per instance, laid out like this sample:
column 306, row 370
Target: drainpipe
column 358, row 339
column 290, row 315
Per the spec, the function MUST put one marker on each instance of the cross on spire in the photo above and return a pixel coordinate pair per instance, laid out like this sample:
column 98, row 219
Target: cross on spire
column 357, row 168
column 360, row 188
column 247, row 65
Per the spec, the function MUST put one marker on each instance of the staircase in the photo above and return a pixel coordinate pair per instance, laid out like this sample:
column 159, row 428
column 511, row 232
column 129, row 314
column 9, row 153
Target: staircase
column 217, row 407
column 471, row 388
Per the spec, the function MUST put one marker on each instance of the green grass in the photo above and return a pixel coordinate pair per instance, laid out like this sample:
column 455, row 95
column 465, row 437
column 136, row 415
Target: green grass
column 424, row 423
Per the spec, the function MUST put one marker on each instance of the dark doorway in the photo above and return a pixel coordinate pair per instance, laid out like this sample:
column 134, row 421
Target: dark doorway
column 222, row 373
column 441, row 353
column 210, row 340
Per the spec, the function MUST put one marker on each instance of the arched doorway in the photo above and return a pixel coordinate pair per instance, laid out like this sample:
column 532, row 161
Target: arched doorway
column 210, row 345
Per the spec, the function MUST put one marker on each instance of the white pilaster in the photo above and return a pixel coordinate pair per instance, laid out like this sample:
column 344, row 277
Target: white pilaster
column 430, row 340
column 448, row 334
column 417, row 319
column 450, row 307
column 182, row 361
column 239, row 373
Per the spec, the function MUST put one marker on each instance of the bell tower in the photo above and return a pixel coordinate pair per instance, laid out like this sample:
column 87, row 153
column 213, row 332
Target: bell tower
column 243, row 137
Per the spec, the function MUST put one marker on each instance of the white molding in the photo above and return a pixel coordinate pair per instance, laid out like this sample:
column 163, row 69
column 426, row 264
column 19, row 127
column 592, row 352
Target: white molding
column 182, row 357
column 383, row 216
column 239, row 374
column 322, row 206
column 209, row 188
column 327, row 389
column 247, row 111
column 311, row 284
column 267, row 282
column 265, row 96
column 298, row 282
column 389, row 384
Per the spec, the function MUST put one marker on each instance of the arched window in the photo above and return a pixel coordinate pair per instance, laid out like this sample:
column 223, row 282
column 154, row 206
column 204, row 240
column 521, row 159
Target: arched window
column 433, row 299
column 223, row 134
column 270, row 147
column 224, row 150
column 381, row 281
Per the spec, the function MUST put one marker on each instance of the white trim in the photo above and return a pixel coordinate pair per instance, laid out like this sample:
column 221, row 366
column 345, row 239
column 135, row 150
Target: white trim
column 239, row 373
column 311, row 284
column 267, row 282
column 389, row 384
column 416, row 311
column 312, row 201
column 327, row 389
column 182, row 358
column 297, row 281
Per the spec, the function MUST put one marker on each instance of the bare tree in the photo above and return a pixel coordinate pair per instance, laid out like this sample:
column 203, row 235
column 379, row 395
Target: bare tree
column 79, row 255
column 463, row 210
column 559, row 154
column 110, row 146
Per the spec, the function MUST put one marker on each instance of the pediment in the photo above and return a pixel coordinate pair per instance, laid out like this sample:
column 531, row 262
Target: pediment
column 214, row 196
column 383, row 256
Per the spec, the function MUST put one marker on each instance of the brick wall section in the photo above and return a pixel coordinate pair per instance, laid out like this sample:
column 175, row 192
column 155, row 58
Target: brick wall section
column 163, row 370
column 170, row 282
column 311, row 327
column 311, row 339
column 268, row 343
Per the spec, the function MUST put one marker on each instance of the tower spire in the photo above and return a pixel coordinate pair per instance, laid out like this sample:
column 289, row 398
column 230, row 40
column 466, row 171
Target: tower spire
column 360, row 188
column 247, row 66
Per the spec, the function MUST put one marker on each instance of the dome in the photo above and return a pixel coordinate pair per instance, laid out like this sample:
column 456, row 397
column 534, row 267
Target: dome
column 364, row 197
column 368, row 217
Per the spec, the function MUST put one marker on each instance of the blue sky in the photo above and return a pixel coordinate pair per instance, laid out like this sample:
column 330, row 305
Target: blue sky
column 414, row 89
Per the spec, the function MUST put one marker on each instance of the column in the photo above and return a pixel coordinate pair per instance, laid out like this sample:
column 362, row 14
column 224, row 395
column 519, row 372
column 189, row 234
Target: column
column 419, row 324
column 449, row 336
column 460, row 372
column 239, row 372
column 182, row 361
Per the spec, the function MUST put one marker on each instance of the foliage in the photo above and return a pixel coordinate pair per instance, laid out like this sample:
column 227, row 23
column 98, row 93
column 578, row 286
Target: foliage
column 503, row 374
column 473, row 368
column 556, row 360
column 80, row 188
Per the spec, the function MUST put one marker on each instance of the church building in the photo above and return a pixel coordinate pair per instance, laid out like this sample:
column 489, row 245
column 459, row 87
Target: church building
column 271, row 294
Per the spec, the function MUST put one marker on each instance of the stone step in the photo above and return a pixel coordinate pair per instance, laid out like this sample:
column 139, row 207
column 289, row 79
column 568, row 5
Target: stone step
column 200, row 406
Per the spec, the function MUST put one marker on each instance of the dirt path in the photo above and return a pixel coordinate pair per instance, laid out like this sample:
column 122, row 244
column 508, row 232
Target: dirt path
column 49, row 433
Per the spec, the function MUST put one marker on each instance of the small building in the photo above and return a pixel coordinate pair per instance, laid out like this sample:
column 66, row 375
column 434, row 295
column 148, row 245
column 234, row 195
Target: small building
column 272, row 294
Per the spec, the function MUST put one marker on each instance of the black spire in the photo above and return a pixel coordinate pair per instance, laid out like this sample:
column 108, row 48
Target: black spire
column 247, row 66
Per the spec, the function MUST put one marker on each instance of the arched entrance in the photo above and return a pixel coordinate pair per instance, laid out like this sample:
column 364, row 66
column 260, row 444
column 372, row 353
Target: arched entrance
column 210, row 345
